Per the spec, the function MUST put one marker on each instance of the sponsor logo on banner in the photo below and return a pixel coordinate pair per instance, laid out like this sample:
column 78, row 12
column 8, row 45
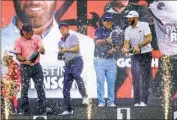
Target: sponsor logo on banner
column 123, row 113
column 53, row 78
column 126, row 62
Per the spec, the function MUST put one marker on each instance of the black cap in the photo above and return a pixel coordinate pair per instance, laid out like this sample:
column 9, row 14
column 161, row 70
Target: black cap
column 107, row 17
column 63, row 24
column 27, row 27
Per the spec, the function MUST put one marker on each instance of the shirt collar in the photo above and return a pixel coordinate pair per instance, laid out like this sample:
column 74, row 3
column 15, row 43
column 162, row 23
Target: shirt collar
column 106, row 28
column 138, row 24
column 64, row 38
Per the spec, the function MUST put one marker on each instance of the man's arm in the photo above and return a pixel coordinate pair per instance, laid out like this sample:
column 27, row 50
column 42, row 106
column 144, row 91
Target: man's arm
column 99, row 40
column 74, row 49
column 147, row 37
column 74, row 41
column 20, row 58
column 126, row 46
column 23, row 60
column 147, row 40
column 18, row 51
column 103, row 41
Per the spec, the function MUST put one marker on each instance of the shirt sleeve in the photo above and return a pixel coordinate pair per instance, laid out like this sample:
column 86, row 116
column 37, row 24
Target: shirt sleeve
column 59, row 44
column 39, row 42
column 126, row 34
column 147, row 29
column 97, row 34
column 75, row 40
column 17, row 47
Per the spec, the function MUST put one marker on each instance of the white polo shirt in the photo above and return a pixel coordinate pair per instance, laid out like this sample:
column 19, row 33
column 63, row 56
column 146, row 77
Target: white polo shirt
column 136, row 35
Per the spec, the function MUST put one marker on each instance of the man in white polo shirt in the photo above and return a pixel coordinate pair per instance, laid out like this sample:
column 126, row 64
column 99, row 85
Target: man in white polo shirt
column 137, row 40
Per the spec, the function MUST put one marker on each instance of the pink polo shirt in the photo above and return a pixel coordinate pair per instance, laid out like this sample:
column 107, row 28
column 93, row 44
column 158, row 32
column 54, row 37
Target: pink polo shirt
column 26, row 47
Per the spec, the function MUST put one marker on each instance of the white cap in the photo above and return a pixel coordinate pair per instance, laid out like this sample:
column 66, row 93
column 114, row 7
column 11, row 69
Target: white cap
column 132, row 14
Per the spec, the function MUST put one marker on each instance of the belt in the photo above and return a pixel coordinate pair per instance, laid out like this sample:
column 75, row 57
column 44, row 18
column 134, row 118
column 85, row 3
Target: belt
column 72, row 60
column 30, row 65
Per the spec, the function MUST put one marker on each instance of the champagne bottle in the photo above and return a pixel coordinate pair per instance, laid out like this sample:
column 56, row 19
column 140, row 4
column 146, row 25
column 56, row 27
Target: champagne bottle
column 34, row 56
column 60, row 55
column 131, row 50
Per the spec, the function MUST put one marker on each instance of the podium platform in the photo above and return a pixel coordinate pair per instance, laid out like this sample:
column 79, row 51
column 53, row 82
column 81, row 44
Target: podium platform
column 105, row 113
column 123, row 110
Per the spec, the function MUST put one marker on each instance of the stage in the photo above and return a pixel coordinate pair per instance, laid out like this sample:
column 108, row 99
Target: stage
column 123, row 110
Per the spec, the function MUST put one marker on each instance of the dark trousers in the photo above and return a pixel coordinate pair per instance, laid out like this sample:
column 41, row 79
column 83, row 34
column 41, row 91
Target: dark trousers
column 73, row 70
column 141, row 73
column 34, row 72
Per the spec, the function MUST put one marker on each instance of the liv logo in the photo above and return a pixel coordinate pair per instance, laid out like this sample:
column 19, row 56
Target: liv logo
column 175, row 115
column 123, row 113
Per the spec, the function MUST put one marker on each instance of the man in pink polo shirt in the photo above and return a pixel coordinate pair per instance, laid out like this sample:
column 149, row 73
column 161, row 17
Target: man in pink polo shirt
column 25, row 46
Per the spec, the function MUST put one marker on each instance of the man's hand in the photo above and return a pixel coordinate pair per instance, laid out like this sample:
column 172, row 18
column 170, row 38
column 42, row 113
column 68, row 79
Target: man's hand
column 116, row 47
column 125, row 50
column 20, row 58
column 42, row 50
column 111, row 51
column 108, row 40
column 136, row 50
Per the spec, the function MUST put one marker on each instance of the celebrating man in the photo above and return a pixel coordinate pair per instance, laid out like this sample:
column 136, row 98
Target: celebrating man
column 105, row 64
column 138, row 36
column 25, row 46
column 69, row 46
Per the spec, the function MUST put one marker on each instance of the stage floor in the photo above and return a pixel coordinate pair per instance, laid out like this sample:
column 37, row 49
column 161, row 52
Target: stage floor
column 124, row 110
